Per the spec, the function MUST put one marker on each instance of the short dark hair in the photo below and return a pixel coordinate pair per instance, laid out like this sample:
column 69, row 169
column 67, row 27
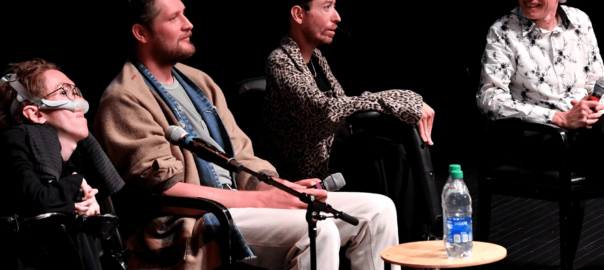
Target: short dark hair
column 143, row 12
column 287, row 7
column 299, row 2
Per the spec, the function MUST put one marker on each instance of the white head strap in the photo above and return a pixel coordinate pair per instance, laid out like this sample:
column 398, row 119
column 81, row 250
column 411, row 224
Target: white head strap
column 23, row 94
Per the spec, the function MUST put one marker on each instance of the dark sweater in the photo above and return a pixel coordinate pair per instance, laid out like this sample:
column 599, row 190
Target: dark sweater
column 35, row 178
column 23, row 191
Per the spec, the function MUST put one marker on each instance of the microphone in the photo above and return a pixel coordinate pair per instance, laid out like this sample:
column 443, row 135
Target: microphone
column 344, row 31
column 596, row 95
column 199, row 147
column 331, row 183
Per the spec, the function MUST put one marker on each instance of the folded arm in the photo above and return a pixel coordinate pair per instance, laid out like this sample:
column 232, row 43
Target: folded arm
column 36, row 196
column 303, row 94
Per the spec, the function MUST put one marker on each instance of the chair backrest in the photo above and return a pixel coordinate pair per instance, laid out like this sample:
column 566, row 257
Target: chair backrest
column 248, row 107
column 253, row 84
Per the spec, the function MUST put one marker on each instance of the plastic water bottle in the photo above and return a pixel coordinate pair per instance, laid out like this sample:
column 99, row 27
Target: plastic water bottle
column 457, row 215
column 452, row 167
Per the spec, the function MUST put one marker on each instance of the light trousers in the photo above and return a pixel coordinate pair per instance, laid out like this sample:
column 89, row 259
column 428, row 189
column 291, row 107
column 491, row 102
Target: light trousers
column 279, row 237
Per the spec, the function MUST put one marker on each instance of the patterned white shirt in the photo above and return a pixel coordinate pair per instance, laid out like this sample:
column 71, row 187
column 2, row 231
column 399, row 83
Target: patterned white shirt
column 531, row 73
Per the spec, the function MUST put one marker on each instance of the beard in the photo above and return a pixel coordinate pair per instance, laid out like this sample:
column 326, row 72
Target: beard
column 170, row 55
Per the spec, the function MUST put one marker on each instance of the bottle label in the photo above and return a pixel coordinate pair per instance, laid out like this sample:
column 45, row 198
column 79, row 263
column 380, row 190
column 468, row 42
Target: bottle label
column 459, row 229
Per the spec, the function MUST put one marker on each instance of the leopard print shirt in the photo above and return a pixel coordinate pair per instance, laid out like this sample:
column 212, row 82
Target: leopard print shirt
column 301, row 120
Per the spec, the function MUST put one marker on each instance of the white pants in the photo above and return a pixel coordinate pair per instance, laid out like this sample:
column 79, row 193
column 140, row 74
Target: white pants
column 279, row 238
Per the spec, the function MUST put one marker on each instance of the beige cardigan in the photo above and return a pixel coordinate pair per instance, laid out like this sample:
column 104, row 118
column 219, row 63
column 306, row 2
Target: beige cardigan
column 130, row 125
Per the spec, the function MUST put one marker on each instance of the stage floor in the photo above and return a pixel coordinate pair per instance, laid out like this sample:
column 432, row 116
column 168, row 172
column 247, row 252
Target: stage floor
column 529, row 230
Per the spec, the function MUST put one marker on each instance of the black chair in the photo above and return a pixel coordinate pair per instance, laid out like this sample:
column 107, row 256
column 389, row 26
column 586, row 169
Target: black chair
column 515, row 176
column 420, row 158
column 248, row 107
column 248, row 115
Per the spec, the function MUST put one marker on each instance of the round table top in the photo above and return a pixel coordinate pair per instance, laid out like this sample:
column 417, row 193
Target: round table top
column 432, row 254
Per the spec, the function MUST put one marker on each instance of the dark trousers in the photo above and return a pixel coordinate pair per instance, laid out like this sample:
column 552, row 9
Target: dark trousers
column 540, row 151
column 375, row 160
column 587, row 150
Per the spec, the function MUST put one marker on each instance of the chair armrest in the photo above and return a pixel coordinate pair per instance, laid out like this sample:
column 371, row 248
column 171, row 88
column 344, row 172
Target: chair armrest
column 419, row 156
column 544, row 128
column 365, row 115
column 371, row 120
column 220, row 211
column 511, row 124
column 518, row 126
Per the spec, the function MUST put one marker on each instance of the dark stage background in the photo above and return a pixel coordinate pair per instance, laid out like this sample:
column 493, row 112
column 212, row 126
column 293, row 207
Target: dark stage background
column 431, row 47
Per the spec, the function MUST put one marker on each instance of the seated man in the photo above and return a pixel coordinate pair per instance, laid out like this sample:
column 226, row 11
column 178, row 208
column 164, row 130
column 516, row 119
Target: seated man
column 540, row 64
column 305, row 107
column 154, row 91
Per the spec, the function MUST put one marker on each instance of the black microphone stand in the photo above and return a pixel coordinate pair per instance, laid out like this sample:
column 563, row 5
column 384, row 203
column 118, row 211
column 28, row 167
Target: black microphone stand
column 312, row 215
column 314, row 206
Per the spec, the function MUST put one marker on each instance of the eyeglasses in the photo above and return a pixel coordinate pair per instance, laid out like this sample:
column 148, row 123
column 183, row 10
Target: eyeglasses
column 68, row 90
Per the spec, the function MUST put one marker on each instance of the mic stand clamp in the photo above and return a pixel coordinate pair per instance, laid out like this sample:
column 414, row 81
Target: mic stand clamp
column 312, row 231
column 312, row 216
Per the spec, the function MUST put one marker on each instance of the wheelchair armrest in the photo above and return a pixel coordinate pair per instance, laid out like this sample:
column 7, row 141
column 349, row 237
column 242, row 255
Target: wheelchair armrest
column 42, row 217
column 14, row 223
column 220, row 211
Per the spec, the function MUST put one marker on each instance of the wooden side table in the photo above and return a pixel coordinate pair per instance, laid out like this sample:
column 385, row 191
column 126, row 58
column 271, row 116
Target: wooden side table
column 432, row 254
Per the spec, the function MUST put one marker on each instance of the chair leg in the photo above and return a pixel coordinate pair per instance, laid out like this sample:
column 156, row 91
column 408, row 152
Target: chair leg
column 565, row 207
column 571, row 224
column 575, row 225
column 484, row 210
